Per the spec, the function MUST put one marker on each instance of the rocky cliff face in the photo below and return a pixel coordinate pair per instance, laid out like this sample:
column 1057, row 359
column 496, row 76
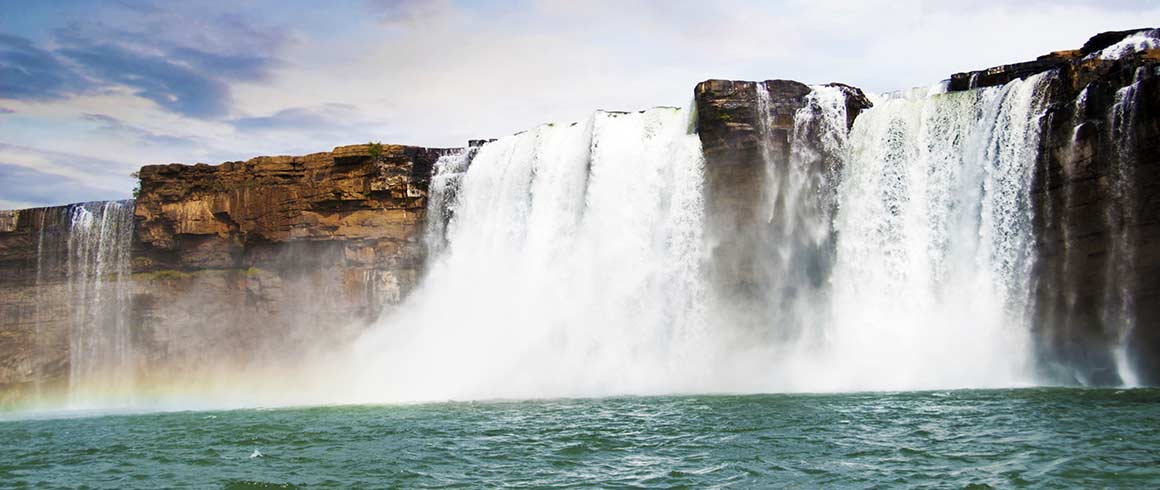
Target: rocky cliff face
column 243, row 265
column 1097, row 197
column 751, row 132
column 259, row 265
column 1096, row 206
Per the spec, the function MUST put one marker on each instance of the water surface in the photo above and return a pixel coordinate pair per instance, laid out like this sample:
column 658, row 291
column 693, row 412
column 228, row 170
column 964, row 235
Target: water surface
column 1036, row 438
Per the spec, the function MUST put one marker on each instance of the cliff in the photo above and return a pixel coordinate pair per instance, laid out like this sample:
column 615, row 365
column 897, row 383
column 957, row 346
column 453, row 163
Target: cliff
column 243, row 265
column 1095, row 201
column 747, row 130
column 1096, row 198
column 1097, row 213
column 262, row 264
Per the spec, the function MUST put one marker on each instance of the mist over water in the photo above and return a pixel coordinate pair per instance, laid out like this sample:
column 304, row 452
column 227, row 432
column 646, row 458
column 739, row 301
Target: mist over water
column 932, row 282
column 572, row 267
column 575, row 260
column 570, row 259
column 87, row 246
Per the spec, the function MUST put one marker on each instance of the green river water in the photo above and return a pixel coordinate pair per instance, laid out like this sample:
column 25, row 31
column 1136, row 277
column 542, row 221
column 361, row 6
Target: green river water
column 974, row 439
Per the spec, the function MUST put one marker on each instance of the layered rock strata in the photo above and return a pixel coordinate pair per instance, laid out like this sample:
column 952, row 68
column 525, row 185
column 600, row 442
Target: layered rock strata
column 241, row 265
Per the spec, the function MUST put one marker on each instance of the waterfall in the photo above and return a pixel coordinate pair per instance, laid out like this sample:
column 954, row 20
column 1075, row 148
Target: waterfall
column 800, row 200
column 569, row 258
column 1134, row 43
column 98, row 239
column 446, row 177
column 571, row 267
column 932, row 281
column 40, row 318
column 1065, row 321
column 1120, row 276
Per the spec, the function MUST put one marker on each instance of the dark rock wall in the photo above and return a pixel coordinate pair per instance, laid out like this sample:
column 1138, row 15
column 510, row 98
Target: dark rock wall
column 1096, row 196
column 729, row 125
column 746, row 149
column 1097, row 210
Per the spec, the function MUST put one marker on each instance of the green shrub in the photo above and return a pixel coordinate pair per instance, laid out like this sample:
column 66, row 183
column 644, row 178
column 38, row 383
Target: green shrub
column 376, row 149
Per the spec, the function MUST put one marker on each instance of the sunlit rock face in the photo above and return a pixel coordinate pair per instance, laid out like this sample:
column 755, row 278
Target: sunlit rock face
column 219, row 270
column 228, row 215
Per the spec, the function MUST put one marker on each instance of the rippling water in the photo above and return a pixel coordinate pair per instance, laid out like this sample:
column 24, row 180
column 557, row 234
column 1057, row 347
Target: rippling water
column 1043, row 438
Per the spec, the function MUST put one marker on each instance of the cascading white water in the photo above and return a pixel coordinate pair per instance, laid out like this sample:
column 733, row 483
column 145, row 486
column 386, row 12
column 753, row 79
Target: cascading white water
column 572, row 267
column 41, row 266
column 574, row 254
column 1118, row 308
column 799, row 209
column 446, row 177
column 1066, row 322
column 931, row 285
column 1140, row 41
column 99, row 240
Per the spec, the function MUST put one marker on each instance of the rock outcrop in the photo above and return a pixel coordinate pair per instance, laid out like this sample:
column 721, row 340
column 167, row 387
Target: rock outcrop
column 747, row 138
column 1096, row 196
column 243, row 265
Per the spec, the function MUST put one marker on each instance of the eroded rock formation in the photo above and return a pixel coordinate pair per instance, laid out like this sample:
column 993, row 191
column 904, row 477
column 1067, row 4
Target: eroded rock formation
column 241, row 265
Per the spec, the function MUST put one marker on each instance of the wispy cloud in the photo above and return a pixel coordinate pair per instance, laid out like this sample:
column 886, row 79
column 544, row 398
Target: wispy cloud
column 124, row 83
column 314, row 128
column 43, row 177
column 324, row 116
column 186, row 67
column 182, row 79
column 407, row 11
column 117, row 128
column 29, row 72
column 26, row 187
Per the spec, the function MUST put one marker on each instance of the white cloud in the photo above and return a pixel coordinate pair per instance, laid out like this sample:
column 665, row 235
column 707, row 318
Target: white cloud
column 455, row 76
column 439, row 73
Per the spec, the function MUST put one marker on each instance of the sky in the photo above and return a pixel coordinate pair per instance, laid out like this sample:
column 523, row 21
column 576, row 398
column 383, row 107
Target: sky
column 92, row 90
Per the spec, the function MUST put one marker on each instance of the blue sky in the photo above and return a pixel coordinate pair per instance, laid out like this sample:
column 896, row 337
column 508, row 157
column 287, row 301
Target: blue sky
column 92, row 90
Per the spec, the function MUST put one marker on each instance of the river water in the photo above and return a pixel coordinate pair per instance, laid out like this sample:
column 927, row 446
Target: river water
column 1037, row 438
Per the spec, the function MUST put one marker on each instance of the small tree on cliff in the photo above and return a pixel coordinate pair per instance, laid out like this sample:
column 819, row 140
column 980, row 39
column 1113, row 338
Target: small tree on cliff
column 375, row 150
